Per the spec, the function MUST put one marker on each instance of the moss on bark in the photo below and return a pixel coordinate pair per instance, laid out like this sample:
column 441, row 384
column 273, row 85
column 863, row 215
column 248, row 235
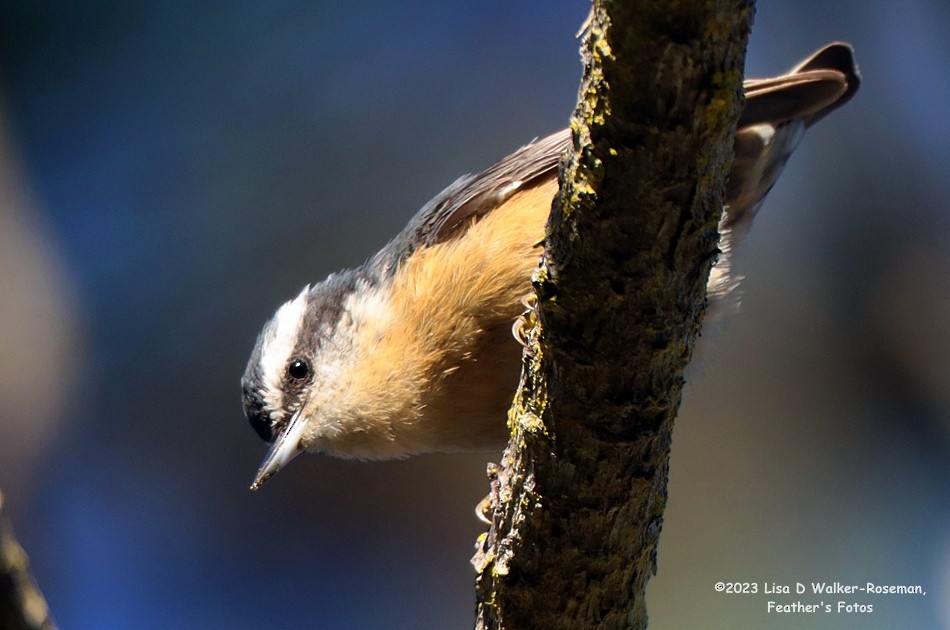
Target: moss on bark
column 577, row 502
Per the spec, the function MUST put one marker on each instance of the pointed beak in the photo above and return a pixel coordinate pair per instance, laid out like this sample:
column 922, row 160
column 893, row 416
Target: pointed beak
column 285, row 448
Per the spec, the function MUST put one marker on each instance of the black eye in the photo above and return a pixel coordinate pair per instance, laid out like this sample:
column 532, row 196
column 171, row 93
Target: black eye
column 298, row 369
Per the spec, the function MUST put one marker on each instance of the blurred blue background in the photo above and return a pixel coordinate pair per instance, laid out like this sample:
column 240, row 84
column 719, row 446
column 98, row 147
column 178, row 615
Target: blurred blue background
column 170, row 173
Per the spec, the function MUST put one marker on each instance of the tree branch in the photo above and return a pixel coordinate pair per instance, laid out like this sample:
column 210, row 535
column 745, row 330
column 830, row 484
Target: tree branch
column 577, row 503
column 21, row 603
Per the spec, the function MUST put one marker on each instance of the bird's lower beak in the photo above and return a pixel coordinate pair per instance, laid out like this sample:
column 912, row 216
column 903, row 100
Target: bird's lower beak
column 285, row 448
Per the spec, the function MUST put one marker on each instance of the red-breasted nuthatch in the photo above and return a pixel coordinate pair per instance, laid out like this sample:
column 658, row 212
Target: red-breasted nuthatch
column 412, row 353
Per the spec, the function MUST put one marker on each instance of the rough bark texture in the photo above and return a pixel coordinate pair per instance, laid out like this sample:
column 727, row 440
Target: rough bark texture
column 21, row 603
column 577, row 502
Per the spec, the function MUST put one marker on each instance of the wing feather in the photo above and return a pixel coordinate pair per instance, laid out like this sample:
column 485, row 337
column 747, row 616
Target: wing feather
column 777, row 112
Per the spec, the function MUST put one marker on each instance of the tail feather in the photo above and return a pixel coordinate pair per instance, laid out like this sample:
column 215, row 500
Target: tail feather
column 777, row 113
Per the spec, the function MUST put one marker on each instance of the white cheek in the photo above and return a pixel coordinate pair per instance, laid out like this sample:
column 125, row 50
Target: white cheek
column 333, row 364
column 334, row 402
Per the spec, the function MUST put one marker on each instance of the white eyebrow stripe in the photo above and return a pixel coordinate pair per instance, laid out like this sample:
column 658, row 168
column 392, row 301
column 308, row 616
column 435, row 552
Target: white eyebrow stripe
column 279, row 343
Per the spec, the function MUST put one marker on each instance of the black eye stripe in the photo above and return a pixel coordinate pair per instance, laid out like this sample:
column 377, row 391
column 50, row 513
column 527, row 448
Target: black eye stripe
column 298, row 369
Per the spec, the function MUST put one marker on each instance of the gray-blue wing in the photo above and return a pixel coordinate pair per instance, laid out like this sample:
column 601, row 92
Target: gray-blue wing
column 777, row 112
column 470, row 197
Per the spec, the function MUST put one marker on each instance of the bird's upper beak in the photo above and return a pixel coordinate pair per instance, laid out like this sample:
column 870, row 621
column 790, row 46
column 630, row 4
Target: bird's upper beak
column 285, row 448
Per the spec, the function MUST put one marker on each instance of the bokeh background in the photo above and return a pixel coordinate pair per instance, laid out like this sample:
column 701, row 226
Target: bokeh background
column 171, row 172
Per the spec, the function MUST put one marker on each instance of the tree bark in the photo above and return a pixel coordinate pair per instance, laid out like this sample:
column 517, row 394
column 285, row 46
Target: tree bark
column 21, row 604
column 577, row 502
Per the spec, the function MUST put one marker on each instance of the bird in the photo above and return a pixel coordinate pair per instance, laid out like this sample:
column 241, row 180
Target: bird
column 412, row 351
